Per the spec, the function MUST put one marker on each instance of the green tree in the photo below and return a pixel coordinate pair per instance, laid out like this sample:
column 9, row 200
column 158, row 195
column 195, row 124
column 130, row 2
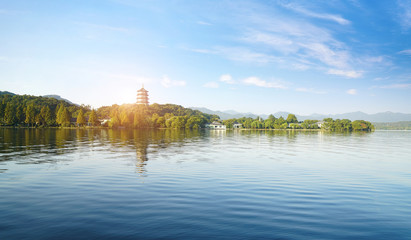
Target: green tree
column 125, row 119
column 30, row 115
column 92, row 119
column 194, row 122
column 291, row 118
column 63, row 116
column 178, row 122
column 361, row 125
column 46, row 116
column 81, row 120
column 9, row 117
column 59, row 113
column 161, row 122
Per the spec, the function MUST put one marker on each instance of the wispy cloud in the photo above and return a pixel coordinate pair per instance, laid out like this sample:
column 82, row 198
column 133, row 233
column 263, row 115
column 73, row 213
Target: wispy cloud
column 10, row 12
column 310, row 90
column 279, row 43
column 239, row 54
column 104, row 27
column 395, row 86
column 348, row 74
column 323, row 52
column 297, row 41
column 167, row 82
column 352, row 91
column 128, row 78
column 325, row 16
column 405, row 52
column 404, row 16
column 204, row 23
column 245, row 55
column 211, row 85
column 200, row 50
column 262, row 83
column 4, row 59
column 227, row 78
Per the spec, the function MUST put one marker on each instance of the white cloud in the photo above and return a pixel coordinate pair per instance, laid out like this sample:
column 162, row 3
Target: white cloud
column 310, row 90
column 349, row 74
column 404, row 17
column 129, row 78
column 378, row 59
column 167, row 82
column 244, row 55
column 297, row 41
column 325, row 16
column 227, row 78
column 104, row 27
column 211, row 85
column 322, row 52
column 299, row 66
column 261, row 83
column 204, row 23
column 396, row 86
column 406, row 52
column 352, row 91
column 277, row 42
column 4, row 59
column 239, row 54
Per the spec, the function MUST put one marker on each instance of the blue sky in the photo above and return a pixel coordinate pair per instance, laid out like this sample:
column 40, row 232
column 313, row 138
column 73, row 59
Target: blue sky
column 251, row 56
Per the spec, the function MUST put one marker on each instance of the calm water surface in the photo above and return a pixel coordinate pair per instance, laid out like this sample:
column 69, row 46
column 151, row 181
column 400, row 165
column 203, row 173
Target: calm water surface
column 104, row 184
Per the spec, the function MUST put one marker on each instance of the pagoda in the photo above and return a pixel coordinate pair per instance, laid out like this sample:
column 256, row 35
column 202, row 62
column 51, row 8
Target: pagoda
column 142, row 96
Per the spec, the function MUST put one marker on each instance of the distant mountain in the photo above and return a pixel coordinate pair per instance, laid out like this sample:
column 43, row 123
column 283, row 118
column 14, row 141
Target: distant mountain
column 405, row 125
column 59, row 98
column 377, row 117
column 5, row 93
column 227, row 114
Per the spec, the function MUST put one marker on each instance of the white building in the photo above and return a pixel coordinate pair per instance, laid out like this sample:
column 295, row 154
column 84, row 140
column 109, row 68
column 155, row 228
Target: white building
column 237, row 125
column 216, row 125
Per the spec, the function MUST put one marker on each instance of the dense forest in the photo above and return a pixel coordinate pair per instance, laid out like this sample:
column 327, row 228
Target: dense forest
column 26, row 110
column 32, row 111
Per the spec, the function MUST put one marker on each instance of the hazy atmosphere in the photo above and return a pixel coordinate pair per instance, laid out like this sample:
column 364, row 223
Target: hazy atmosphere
column 250, row 56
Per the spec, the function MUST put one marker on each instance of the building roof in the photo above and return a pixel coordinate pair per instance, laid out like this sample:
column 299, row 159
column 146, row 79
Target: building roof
column 142, row 90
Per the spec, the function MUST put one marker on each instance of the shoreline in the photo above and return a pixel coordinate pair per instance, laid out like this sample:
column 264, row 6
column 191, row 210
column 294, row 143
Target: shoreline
column 219, row 130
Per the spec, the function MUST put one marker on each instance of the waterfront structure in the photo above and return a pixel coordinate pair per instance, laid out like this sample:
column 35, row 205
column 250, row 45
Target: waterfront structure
column 237, row 125
column 216, row 125
column 142, row 96
column 320, row 124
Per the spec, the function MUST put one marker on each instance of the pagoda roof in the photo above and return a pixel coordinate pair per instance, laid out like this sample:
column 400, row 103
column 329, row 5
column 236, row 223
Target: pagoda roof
column 142, row 90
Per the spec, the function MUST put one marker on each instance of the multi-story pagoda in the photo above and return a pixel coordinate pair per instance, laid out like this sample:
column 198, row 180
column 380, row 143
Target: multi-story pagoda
column 142, row 96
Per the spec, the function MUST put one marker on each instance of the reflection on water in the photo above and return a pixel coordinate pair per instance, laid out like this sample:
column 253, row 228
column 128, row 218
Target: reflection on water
column 34, row 143
column 37, row 143
column 170, row 184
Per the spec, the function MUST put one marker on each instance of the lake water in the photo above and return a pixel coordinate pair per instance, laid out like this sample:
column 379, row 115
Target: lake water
column 168, row 184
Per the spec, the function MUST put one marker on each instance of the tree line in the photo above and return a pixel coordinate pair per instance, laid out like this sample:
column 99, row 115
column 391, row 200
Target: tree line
column 26, row 110
column 155, row 116
column 32, row 111
column 291, row 122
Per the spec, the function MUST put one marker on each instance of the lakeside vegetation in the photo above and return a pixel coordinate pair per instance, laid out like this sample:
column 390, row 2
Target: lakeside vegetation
column 291, row 122
column 403, row 125
column 32, row 111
